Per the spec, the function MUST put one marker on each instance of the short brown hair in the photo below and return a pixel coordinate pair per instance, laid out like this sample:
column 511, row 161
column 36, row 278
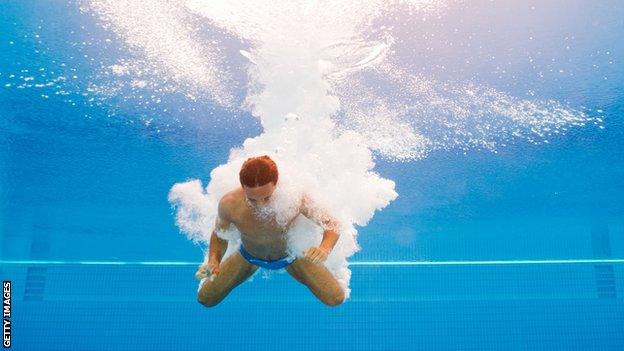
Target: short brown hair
column 258, row 171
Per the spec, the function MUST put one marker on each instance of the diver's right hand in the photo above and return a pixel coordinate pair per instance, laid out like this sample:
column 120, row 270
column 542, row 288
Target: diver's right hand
column 207, row 270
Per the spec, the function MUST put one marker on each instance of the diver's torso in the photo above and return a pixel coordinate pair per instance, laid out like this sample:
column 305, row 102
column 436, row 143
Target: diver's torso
column 262, row 238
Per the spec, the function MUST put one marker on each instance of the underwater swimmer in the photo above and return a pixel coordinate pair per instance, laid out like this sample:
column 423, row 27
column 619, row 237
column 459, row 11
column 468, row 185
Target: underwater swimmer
column 263, row 241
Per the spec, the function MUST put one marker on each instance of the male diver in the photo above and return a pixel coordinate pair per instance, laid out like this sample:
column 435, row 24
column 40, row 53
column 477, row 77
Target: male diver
column 263, row 240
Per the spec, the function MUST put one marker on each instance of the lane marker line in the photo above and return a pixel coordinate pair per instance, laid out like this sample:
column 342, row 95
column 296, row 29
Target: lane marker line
column 354, row 263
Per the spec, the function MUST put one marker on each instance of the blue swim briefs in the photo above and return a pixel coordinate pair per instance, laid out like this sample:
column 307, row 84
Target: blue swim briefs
column 274, row 264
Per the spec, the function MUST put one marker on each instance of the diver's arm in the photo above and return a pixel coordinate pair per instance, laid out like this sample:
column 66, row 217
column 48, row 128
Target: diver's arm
column 330, row 237
column 218, row 245
column 325, row 221
column 317, row 215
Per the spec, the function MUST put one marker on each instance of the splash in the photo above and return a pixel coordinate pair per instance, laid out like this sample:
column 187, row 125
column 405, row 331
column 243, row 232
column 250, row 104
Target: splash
column 170, row 47
column 322, row 81
column 290, row 94
column 411, row 115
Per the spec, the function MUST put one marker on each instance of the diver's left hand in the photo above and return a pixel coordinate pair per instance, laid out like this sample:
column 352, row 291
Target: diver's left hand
column 316, row 254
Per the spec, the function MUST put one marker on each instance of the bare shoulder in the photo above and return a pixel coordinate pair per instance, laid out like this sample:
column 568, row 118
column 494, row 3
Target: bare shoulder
column 312, row 211
column 229, row 203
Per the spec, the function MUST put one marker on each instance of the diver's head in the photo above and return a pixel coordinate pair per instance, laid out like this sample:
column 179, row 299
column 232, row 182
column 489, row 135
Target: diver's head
column 258, row 177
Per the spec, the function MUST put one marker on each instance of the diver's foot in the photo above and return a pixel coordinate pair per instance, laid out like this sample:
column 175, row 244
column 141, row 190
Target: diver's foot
column 203, row 271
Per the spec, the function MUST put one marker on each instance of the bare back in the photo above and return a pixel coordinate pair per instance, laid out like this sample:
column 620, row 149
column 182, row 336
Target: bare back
column 265, row 239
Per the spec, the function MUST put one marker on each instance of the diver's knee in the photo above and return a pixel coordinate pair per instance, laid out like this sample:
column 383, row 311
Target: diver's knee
column 335, row 299
column 208, row 300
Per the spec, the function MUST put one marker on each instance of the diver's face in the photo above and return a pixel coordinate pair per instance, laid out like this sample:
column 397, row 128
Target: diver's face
column 260, row 196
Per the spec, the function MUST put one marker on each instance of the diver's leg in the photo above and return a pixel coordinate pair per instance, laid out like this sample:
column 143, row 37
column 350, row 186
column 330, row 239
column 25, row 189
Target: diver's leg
column 318, row 279
column 233, row 271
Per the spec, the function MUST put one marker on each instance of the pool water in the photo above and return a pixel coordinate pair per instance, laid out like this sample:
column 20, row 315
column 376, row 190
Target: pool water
column 517, row 249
